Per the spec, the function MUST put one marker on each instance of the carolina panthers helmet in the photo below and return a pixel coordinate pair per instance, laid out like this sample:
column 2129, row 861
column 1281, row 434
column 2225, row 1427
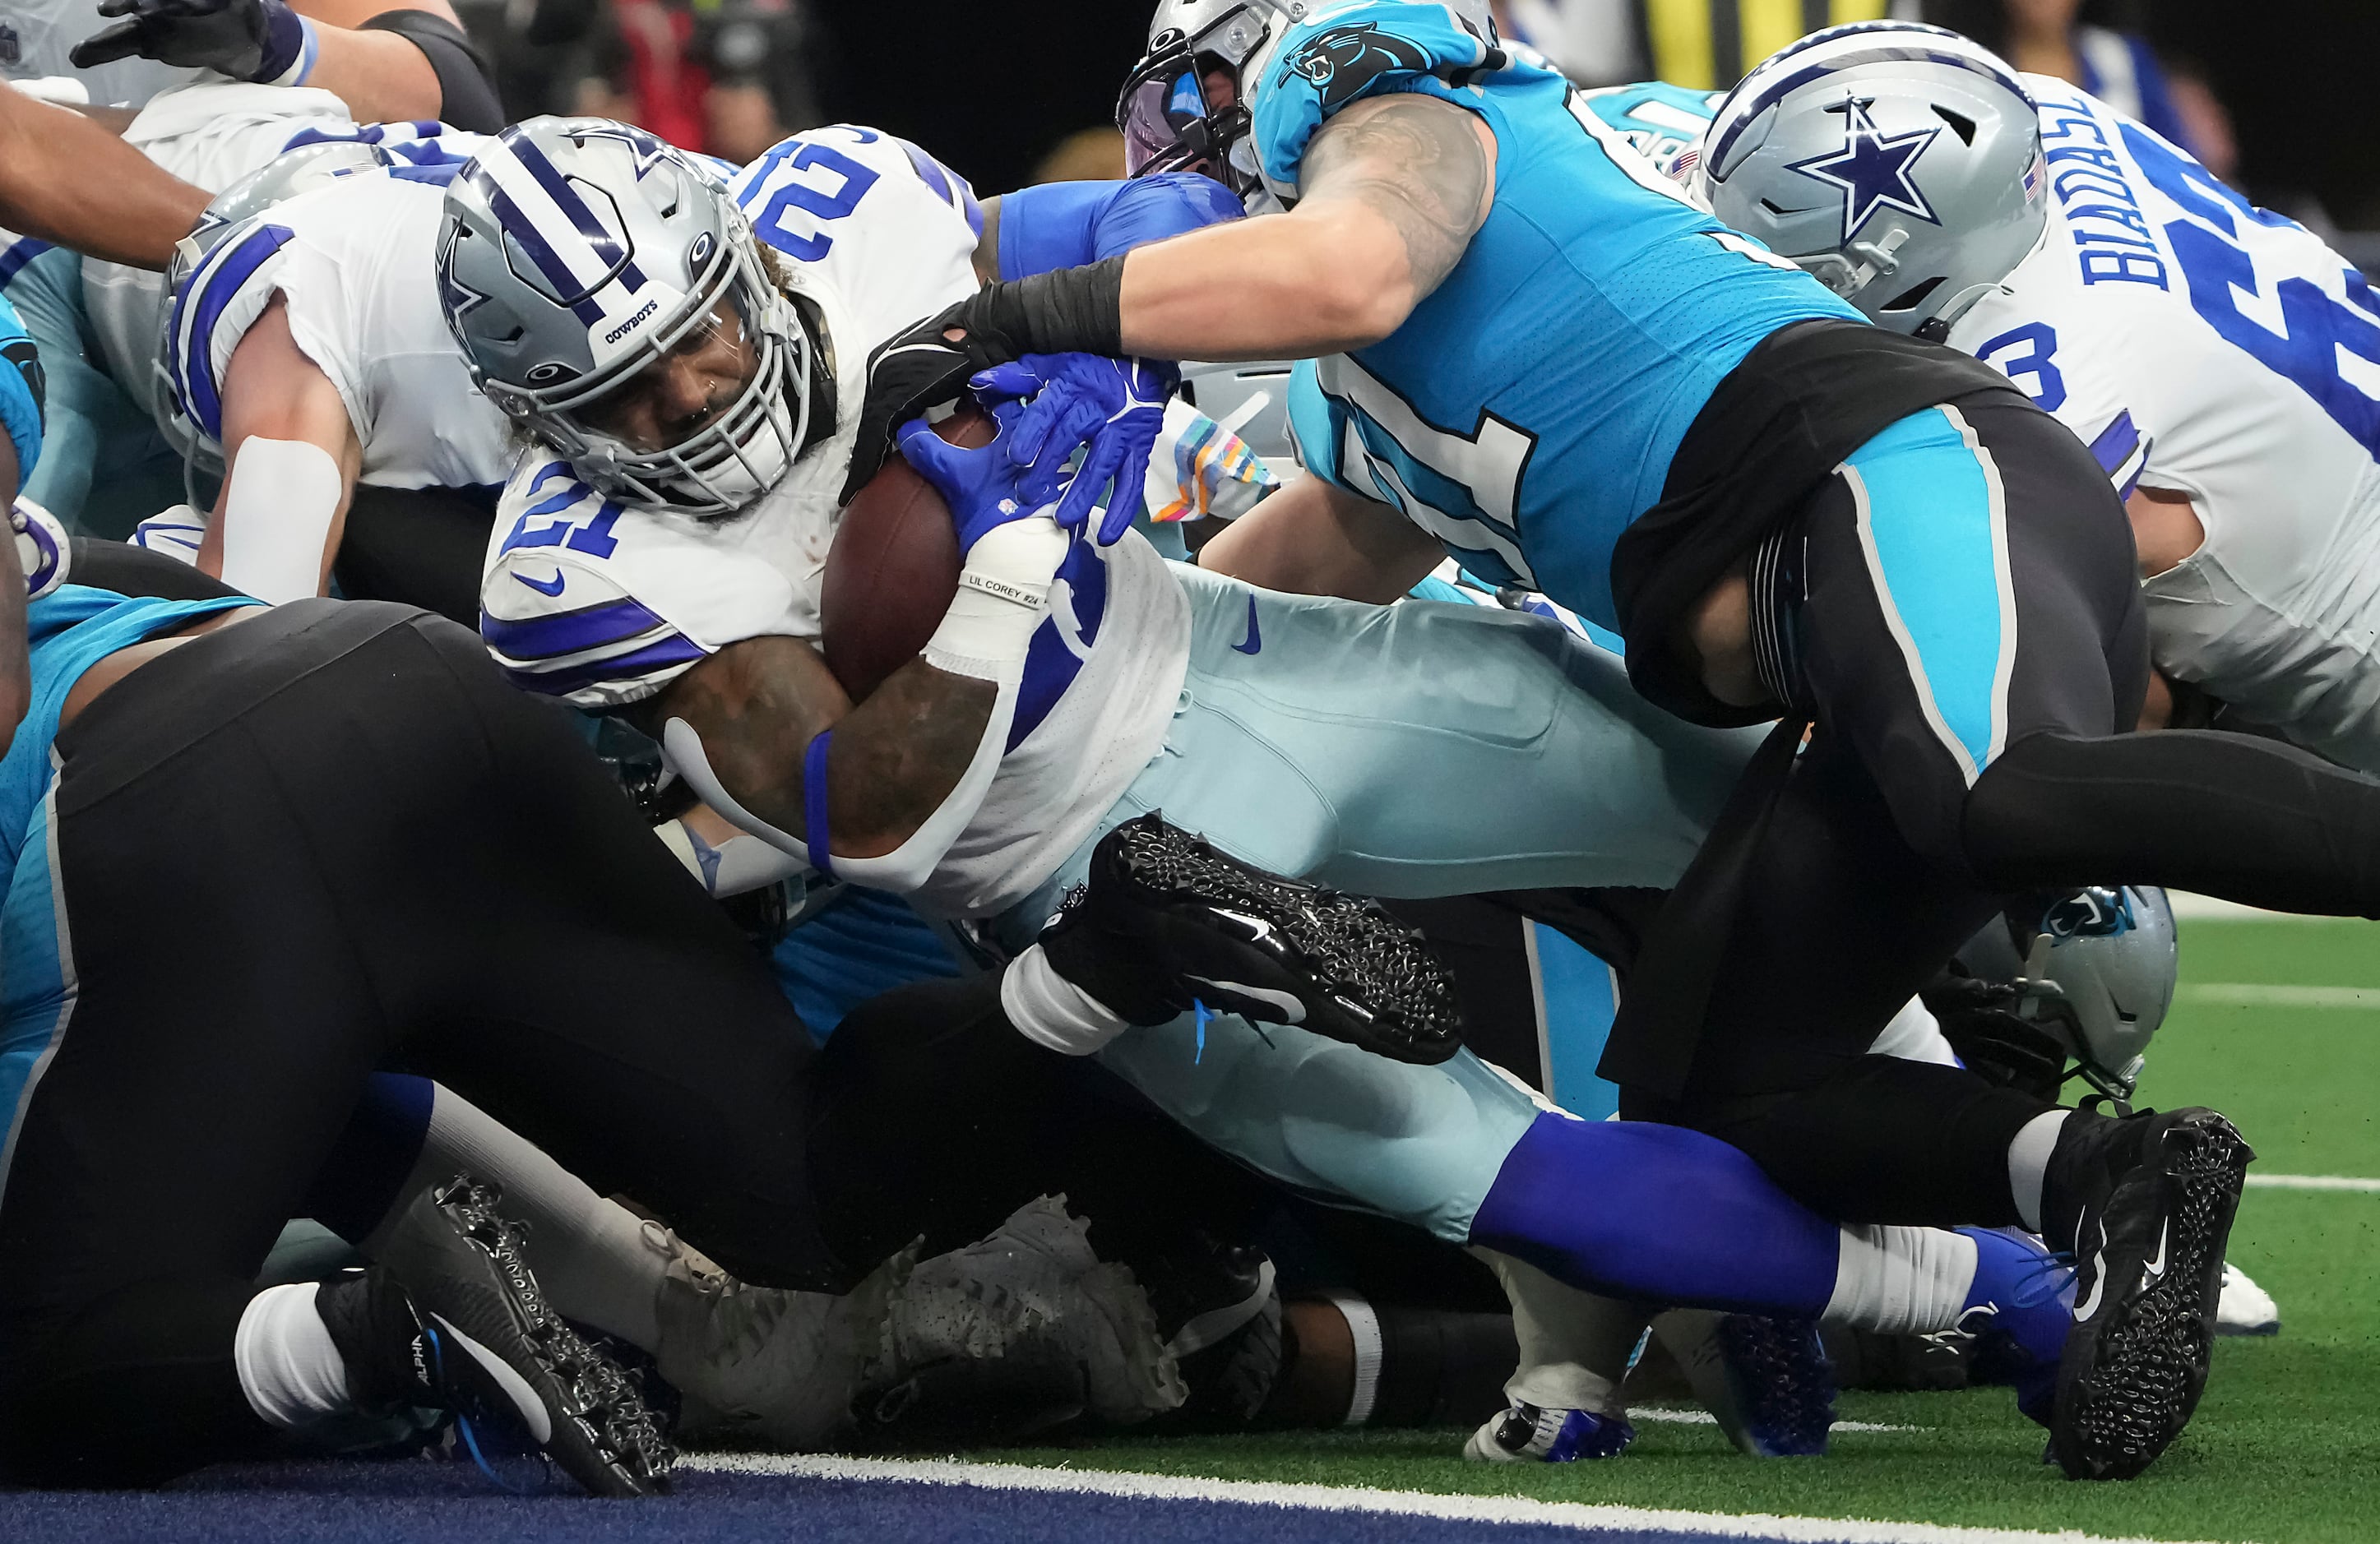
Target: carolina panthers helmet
column 2096, row 967
column 1168, row 122
column 1899, row 164
column 577, row 252
column 278, row 180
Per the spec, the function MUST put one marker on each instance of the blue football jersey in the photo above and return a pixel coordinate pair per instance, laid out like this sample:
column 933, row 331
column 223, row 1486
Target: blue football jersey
column 1527, row 412
column 21, row 392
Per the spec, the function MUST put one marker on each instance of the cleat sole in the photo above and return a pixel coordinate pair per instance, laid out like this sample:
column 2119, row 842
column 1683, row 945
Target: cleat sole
column 2145, row 1362
column 1391, row 994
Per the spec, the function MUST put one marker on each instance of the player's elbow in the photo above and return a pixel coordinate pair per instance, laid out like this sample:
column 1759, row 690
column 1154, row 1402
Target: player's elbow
column 1357, row 287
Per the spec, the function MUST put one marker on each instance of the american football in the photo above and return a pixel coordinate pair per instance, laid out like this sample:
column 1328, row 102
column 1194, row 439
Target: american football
column 893, row 567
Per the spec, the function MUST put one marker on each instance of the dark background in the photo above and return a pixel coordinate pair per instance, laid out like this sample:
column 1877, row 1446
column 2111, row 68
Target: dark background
column 991, row 85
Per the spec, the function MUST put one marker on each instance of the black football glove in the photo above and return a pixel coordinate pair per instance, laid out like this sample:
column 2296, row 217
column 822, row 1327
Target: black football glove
column 248, row 40
column 1979, row 1019
column 917, row 370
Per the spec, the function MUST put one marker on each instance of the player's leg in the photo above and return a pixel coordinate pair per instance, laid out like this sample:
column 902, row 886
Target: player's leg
column 178, row 1077
column 1422, row 748
column 416, row 546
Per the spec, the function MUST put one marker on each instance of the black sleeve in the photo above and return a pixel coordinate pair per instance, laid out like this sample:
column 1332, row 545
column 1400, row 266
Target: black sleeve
column 466, row 87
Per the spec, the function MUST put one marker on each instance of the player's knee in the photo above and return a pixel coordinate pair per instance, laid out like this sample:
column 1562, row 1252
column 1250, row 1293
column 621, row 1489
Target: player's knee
column 2030, row 816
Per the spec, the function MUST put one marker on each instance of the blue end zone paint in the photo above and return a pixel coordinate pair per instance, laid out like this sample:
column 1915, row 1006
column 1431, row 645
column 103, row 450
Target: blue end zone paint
column 424, row 1502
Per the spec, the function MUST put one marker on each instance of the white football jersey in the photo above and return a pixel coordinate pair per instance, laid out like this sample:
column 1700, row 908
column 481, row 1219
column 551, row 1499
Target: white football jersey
column 2203, row 346
column 356, row 265
column 211, row 135
column 602, row 604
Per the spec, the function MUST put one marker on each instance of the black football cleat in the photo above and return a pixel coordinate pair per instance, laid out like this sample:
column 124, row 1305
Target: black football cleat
column 449, row 1317
column 2145, row 1201
column 1164, row 919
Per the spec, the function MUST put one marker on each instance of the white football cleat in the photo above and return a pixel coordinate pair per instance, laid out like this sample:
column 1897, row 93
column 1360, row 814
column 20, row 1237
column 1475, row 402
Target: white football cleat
column 2245, row 1308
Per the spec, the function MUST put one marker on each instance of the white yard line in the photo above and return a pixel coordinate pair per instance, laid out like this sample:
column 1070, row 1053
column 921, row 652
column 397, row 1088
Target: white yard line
column 1338, row 1498
column 2310, row 1182
column 1671, row 1416
column 2241, row 994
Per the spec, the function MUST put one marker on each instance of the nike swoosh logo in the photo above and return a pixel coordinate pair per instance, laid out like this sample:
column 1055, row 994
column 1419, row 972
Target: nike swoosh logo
column 2153, row 1271
column 551, row 589
column 1253, row 642
column 1292, row 1010
column 2089, row 1306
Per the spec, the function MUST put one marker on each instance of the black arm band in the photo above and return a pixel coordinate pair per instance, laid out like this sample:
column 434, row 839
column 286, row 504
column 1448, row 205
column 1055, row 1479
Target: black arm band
column 466, row 88
column 1067, row 310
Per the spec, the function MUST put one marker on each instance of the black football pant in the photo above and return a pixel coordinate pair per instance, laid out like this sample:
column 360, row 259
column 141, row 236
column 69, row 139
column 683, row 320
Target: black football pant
column 1972, row 646
column 329, row 840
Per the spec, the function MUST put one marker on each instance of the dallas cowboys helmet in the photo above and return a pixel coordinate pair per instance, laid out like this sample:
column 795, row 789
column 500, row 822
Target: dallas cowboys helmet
column 1169, row 123
column 1899, row 164
column 577, row 252
column 2096, row 967
column 278, row 180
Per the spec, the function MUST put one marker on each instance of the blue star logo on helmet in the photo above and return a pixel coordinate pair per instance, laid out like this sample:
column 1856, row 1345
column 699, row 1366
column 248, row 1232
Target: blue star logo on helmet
column 647, row 150
column 1873, row 169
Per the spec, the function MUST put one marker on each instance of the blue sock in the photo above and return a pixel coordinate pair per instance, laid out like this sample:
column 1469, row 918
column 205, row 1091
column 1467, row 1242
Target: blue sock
column 1656, row 1212
column 2019, row 1309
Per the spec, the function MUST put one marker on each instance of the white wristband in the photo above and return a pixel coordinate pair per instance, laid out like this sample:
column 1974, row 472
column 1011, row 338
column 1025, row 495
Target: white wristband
column 1003, row 593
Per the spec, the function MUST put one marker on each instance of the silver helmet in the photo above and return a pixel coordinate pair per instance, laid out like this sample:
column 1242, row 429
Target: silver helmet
column 1169, row 122
column 577, row 252
column 284, row 178
column 1899, row 164
column 1170, row 119
column 2096, row 967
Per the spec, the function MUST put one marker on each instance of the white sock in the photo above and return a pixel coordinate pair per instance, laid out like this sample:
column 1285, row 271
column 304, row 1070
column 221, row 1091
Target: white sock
column 589, row 1255
column 1574, row 1345
column 2029, row 1163
column 289, row 1367
column 1048, row 1010
column 1901, row 1280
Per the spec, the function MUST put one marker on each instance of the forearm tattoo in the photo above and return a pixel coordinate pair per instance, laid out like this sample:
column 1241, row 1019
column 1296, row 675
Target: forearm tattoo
column 1418, row 161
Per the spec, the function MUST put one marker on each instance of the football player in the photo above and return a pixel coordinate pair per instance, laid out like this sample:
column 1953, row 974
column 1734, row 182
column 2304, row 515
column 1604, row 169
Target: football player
column 304, row 352
column 694, row 364
column 1540, row 354
column 2213, row 355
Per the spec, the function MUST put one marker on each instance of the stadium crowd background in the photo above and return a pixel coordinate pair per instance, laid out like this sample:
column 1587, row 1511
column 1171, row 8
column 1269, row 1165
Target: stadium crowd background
column 2275, row 97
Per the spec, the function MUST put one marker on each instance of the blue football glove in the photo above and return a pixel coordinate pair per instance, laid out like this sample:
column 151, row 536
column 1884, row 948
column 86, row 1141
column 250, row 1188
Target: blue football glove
column 1116, row 407
column 981, row 485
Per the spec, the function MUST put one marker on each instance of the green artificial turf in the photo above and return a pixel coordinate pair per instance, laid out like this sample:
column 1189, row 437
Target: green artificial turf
column 2286, row 1449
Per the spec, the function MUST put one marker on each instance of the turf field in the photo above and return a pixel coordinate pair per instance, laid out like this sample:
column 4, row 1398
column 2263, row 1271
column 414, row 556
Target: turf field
column 2286, row 1449
column 2278, row 1025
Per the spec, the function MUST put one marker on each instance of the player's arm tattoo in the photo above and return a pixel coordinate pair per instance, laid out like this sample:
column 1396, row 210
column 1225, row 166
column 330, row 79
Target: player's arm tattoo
column 757, row 705
column 1419, row 163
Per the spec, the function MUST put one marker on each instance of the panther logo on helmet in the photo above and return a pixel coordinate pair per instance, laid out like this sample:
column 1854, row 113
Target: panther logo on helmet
column 1345, row 60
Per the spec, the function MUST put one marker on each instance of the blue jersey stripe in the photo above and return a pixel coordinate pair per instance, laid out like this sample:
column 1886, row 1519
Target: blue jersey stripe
column 13, row 260
column 676, row 649
column 216, row 287
column 594, row 627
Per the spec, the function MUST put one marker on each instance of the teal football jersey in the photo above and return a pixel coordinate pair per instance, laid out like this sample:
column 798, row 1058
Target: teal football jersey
column 1527, row 412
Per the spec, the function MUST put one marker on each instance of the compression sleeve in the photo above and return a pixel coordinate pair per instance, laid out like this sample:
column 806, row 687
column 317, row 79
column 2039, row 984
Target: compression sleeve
column 1067, row 225
column 466, row 88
